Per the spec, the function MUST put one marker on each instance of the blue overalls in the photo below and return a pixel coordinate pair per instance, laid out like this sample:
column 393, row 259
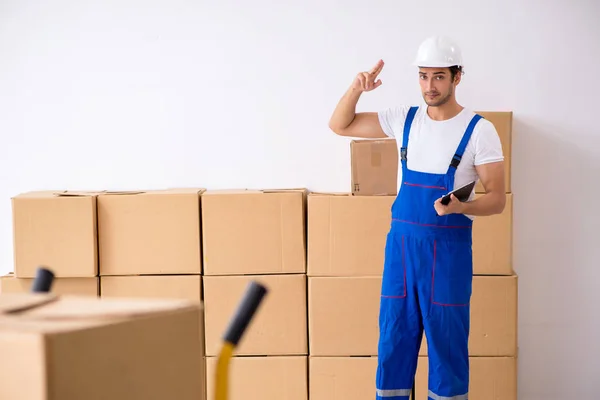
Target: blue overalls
column 427, row 284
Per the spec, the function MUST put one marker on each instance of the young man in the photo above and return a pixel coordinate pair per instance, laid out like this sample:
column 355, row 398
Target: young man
column 427, row 274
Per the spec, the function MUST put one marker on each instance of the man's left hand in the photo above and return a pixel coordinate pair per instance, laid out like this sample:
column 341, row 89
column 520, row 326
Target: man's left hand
column 454, row 207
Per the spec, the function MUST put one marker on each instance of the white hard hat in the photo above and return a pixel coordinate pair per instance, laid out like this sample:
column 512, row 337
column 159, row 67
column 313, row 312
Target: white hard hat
column 438, row 52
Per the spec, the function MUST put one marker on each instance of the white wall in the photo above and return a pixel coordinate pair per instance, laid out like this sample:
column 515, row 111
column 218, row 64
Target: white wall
column 149, row 94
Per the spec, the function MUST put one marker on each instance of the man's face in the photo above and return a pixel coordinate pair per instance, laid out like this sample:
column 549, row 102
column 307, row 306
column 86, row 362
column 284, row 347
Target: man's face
column 437, row 86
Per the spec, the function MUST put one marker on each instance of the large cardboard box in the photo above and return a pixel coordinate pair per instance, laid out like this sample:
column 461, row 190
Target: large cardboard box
column 153, row 232
column 263, row 378
column 342, row 378
column 70, row 286
column 67, row 348
column 343, row 316
column 188, row 287
column 493, row 242
column 347, row 234
column 490, row 378
column 280, row 324
column 374, row 163
column 374, row 167
column 254, row 232
column 56, row 229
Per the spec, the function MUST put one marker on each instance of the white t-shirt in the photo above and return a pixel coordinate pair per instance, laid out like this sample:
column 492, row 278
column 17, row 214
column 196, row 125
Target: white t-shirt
column 432, row 144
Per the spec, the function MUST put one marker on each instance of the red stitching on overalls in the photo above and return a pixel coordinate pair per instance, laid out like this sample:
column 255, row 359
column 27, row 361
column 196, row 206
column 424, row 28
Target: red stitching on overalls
column 424, row 186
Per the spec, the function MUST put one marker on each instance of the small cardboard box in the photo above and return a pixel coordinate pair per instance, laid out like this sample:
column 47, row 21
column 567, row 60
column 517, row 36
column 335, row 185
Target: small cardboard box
column 254, row 232
column 56, row 229
column 493, row 242
column 280, row 324
column 83, row 347
column 374, row 167
column 150, row 233
column 347, row 234
column 69, row 286
column 265, row 378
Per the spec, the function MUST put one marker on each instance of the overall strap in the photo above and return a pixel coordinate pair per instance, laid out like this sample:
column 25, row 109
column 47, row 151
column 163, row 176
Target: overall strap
column 463, row 143
column 410, row 116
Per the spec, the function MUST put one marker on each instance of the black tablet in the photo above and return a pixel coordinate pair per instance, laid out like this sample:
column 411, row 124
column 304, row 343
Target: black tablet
column 462, row 193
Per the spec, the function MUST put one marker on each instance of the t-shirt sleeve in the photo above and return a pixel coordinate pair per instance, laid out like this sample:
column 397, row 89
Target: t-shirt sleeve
column 391, row 119
column 488, row 147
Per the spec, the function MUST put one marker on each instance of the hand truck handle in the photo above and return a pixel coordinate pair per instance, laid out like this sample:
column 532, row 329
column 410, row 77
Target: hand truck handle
column 255, row 292
column 42, row 283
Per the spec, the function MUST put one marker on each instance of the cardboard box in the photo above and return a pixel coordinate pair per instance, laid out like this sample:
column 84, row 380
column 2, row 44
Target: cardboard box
column 254, row 232
column 264, row 378
column 342, row 378
column 60, row 286
column 347, row 234
column 343, row 316
column 503, row 123
column 188, row 287
column 494, row 316
column 493, row 242
column 61, row 348
column 56, row 229
column 374, row 163
column 374, row 167
column 149, row 233
column 280, row 324
column 491, row 378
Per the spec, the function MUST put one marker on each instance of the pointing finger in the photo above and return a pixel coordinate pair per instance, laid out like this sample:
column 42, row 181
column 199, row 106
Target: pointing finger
column 377, row 68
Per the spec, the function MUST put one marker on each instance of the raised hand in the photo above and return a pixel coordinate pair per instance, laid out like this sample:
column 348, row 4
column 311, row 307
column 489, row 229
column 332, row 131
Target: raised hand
column 365, row 81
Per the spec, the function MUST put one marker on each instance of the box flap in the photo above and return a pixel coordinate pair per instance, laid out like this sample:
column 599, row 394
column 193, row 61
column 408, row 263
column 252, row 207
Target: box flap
column 330, row 194
column 19, row 302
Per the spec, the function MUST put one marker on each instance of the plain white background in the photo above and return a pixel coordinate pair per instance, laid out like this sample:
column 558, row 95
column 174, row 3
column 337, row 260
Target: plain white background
column 149, row 94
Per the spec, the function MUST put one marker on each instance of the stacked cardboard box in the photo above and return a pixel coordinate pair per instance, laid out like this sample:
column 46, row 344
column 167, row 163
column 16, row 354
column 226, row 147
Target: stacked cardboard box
column 493, row 340
column 257, row 235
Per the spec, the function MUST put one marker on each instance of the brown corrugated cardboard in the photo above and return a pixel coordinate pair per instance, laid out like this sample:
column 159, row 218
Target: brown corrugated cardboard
column 70, row 286
column 494, row 312
column 279, row 327
column 253, row 232
column 63, row 348
column 343, row 316
column 342, row 378
column 346, row 234
column 492, row 242
column 375, row 162
column 503, row 123
column 491, row 378
column 148, row 233
column 188, row 287
column 264, row 378
column 56, row 229
column 374, row 167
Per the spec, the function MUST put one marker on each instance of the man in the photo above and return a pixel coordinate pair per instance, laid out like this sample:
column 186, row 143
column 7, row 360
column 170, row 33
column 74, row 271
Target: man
column 427, row 273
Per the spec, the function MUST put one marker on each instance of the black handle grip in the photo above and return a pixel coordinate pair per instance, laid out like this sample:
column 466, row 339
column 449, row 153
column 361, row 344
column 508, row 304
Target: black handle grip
column 42, row 283
column 255, row 292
